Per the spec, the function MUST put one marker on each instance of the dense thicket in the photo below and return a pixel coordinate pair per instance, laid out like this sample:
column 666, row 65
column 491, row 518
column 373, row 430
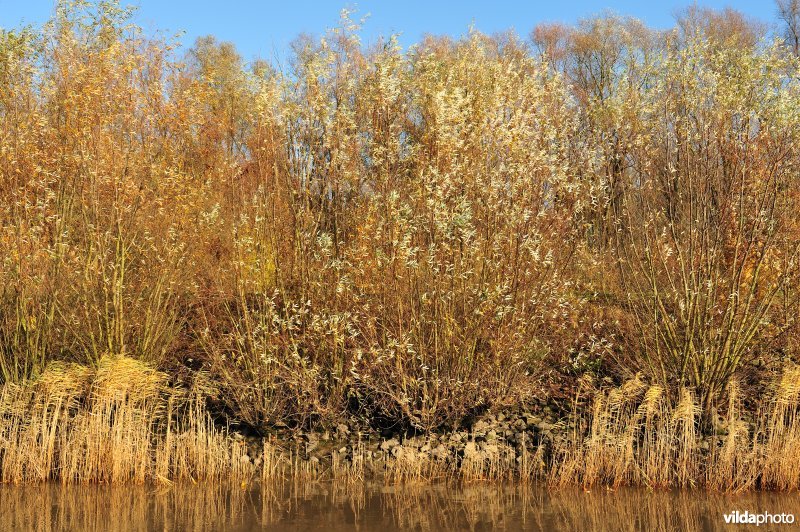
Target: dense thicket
column 404, row 235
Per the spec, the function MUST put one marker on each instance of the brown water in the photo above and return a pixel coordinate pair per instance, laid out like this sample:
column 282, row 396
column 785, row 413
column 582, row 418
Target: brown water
column 336, row 507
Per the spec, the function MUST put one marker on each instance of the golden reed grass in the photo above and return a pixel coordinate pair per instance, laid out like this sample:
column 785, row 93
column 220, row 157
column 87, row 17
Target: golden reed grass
column 117, row 423
column 636, row 436
column 124, row 423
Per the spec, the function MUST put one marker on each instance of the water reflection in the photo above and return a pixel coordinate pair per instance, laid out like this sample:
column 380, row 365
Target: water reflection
column 327, row 506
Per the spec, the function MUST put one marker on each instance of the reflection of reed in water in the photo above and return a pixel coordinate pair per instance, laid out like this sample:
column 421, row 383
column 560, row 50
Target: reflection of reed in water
column 635, row 509
column 535, row 508
column 46, row 508
column 338, row 506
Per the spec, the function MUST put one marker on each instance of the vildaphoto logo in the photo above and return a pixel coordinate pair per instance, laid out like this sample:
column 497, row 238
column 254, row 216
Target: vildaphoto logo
column 746, row 518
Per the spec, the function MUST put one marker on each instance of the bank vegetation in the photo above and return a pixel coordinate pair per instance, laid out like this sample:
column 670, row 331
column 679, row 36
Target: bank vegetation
column 192, row 245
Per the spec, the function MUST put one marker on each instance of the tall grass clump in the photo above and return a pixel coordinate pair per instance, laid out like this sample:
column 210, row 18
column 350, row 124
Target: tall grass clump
column 636, row 436
column 116, row 423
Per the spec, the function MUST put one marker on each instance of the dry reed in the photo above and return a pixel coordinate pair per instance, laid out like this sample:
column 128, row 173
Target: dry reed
column 116, row 423
column 636, row 436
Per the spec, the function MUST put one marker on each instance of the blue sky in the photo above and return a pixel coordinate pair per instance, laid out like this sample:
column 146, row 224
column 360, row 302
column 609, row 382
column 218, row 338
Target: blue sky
column 265, row 28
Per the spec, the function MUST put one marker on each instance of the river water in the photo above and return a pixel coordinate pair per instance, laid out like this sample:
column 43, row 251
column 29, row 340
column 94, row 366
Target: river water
column 366, row 507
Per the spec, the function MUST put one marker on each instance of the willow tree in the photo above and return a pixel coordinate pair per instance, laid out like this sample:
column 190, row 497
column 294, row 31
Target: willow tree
column 708, row 242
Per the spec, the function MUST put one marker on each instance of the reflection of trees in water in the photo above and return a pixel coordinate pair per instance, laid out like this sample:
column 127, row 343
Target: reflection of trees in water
column 339, row 506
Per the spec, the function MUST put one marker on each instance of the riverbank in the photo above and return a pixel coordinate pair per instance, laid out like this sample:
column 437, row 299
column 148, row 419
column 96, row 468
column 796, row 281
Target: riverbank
column 461, row 260
column 124, row 422
column 626, row 436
